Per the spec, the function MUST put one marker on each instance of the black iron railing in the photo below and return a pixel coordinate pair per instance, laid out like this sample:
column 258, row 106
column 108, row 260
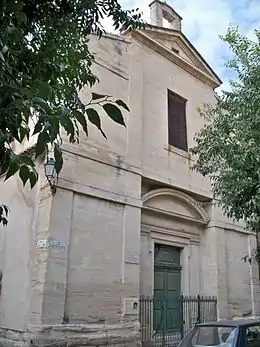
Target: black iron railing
column 164, row 322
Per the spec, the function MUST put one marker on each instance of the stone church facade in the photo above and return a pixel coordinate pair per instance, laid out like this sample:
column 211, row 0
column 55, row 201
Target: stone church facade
column 121, row 202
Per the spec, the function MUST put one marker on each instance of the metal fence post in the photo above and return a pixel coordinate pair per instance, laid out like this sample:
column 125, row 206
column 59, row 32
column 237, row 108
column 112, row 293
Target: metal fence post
column 199, row 312
column 181, row 317
column 164, row 324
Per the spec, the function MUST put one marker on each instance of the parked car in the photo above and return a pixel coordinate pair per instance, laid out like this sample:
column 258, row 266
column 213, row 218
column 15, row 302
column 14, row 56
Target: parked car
column 225, row 333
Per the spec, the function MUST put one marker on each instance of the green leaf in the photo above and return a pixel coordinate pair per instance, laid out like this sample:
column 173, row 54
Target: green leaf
column 44, row 89
column 28, row 92
column 38, row 127
column 15, row 5
column 96, row 96
column 41, row 144
column 5, row 161
column 4, row 221
column 26, row 160
column 21, row 17
column 10, row 29
column 58, row 159
column 114, row 113
column 13, row 168
column 122, row 104
column 24, row 173
column 94, row 118
column 33, row 177
column 2, row 56
column 23, row 132
column 55, row 128
column 82, row 120
column 42, row 104
column 5, row 209
column 68, row 125
column 4, row 49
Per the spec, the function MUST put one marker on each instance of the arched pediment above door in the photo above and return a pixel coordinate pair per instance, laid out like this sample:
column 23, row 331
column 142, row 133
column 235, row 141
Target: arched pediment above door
column 174, row 203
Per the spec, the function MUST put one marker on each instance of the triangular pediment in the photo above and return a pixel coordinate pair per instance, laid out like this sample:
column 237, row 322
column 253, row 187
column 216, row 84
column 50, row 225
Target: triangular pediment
column 178, row 46
column 177, row 43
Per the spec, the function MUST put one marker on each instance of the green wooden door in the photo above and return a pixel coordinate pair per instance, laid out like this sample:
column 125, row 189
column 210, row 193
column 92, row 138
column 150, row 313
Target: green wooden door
column 167, row 289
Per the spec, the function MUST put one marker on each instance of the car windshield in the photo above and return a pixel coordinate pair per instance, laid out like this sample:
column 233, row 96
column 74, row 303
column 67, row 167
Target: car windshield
column 209, row 336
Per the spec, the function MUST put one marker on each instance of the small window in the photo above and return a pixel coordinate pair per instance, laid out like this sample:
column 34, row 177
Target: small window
column 177, row 132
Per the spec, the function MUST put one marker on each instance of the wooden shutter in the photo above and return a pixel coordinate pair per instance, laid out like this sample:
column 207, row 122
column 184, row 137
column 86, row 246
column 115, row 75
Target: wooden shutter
column 177, row 131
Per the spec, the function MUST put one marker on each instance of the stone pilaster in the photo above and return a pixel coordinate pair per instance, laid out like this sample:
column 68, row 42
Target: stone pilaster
column 48, row 276
column 39, row 256
column 214, row 267
column 131, row 253
column 185, row 272
column 57, row 264
column 194, row 269
column 222, row 280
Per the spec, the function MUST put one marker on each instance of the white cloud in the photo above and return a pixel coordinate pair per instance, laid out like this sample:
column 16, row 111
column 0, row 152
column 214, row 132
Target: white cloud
column 203, row 22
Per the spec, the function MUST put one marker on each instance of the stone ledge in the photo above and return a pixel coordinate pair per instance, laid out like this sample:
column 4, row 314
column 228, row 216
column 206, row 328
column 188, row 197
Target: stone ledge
column 3, row 332
column 125, row 334
column 72, row 335
column 84, row 327
column 11, row 343
column 12, row 335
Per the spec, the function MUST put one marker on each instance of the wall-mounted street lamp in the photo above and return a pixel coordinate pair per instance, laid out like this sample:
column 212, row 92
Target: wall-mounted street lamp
column 51, row 174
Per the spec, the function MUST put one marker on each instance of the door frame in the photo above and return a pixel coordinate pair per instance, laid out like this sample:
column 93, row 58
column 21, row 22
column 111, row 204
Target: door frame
column 168, row 237
column 167, row 268
column 171, row 244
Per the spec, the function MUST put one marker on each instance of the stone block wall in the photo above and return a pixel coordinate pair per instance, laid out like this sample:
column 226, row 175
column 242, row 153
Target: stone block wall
column 94, row 285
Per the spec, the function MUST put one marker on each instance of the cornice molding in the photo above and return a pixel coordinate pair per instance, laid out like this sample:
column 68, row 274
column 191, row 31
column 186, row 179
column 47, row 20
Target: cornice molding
column 173, row 57
column 182, row 235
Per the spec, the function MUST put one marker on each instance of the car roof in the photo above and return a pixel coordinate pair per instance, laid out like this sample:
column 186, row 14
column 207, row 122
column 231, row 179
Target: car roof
column 231, row 323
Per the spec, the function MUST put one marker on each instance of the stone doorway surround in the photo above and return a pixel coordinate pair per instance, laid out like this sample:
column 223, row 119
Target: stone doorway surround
column 171, row 217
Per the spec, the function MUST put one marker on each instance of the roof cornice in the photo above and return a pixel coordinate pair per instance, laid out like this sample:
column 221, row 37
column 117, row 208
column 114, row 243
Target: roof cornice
column 175, row 58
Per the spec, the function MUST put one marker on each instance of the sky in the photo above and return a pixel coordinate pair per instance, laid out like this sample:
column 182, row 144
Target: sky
column 203, row 22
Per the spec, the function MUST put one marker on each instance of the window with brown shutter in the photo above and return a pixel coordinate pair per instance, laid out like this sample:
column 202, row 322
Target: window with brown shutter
column 177, row 132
